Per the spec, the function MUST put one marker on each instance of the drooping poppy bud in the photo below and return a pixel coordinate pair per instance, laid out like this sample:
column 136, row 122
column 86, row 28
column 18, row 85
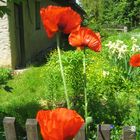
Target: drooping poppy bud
column 85, row 37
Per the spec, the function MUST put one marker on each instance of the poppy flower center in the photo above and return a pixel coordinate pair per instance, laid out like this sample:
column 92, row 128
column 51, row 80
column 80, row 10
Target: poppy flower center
column 61, row 26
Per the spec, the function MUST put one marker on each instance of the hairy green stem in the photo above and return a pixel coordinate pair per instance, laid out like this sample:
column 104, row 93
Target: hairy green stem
column 126, row 65
column 129, row 71
column 62, row 71
column 85, row 85
column 138, row 116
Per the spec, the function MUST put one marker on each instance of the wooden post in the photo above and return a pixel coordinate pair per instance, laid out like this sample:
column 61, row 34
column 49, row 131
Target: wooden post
column 103, row 132
column 32, row 130
column 81, row 134
column 129, row 133
column 125, row 29
column 9, row 128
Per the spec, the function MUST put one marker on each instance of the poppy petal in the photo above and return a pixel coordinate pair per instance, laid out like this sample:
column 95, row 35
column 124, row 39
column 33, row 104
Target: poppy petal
column 59, row 124
column 75, row 39
column 57, row 18
column 135, row 60
column 70, row 20
column 85, row 37
column 50, row 27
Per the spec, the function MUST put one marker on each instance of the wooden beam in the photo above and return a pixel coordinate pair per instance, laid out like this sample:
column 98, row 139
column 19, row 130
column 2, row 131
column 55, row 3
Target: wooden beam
column 81, row 134
column 32, row 129
column 129, row 133
column 9, row 128
column 103, row 131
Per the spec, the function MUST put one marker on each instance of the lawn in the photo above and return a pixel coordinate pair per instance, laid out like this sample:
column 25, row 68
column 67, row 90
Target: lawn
column 113, row 91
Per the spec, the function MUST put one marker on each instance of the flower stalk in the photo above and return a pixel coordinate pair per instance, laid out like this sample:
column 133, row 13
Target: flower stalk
column 129, row 71
column 125, row 61
column 138, row 116
column 85, row 85
column 62, row 71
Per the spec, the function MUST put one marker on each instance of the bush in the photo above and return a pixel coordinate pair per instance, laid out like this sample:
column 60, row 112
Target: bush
column 111, row 97
column 109, row 93
column 5, row 75
column 25, row 99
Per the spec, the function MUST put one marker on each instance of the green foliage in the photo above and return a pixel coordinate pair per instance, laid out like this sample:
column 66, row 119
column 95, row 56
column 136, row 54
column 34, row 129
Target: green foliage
column 109, row 93
column 26, row 97
column 3, row 7
column 72, row 63
column 128, row 74
column 119, row 54
column 112, row 98
column 112, row 12
column 3, row 10
column 5, row 75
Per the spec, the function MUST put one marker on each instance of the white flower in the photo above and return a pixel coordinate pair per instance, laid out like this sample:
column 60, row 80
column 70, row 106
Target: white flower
column 105, row 73
column 122, row 51
column 118, row 47
column 134, row 39
column 119, row 42
column 135, row 48
column 109, row 45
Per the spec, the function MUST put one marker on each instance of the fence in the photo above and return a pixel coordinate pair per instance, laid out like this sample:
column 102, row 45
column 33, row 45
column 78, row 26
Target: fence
column 123, row 29
column 103, row 131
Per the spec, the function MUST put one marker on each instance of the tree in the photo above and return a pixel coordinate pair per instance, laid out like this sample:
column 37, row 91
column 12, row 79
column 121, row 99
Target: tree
column 113, row 12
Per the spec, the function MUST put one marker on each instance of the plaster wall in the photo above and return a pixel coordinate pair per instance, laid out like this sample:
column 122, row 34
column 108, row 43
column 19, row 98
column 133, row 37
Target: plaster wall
column 5, row 52
column 35, row 39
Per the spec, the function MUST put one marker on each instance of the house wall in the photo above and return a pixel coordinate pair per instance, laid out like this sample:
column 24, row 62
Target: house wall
column 35, row 40
column 5, row 52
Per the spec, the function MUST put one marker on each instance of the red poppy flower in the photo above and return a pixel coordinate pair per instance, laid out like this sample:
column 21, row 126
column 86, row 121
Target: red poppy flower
column 59, row 124
column 57, row 18
column 85, row 37
column 135, row 60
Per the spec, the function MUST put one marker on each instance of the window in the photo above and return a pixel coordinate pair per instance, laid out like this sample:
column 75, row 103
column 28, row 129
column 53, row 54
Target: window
column 37, row 15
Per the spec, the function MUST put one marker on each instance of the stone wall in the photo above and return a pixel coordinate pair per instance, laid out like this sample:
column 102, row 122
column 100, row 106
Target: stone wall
column 5, row 53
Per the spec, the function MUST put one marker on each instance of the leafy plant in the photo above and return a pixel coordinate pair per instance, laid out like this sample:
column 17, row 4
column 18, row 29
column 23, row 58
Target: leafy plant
column 111, row 12
column 5, row 75
column 111, row 98
column 119, row 52
column 108, row 93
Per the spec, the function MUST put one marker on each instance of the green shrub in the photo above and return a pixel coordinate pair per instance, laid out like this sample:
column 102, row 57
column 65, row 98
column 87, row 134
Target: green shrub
column 5, row 75
column 109, row 93
column 111, row 98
